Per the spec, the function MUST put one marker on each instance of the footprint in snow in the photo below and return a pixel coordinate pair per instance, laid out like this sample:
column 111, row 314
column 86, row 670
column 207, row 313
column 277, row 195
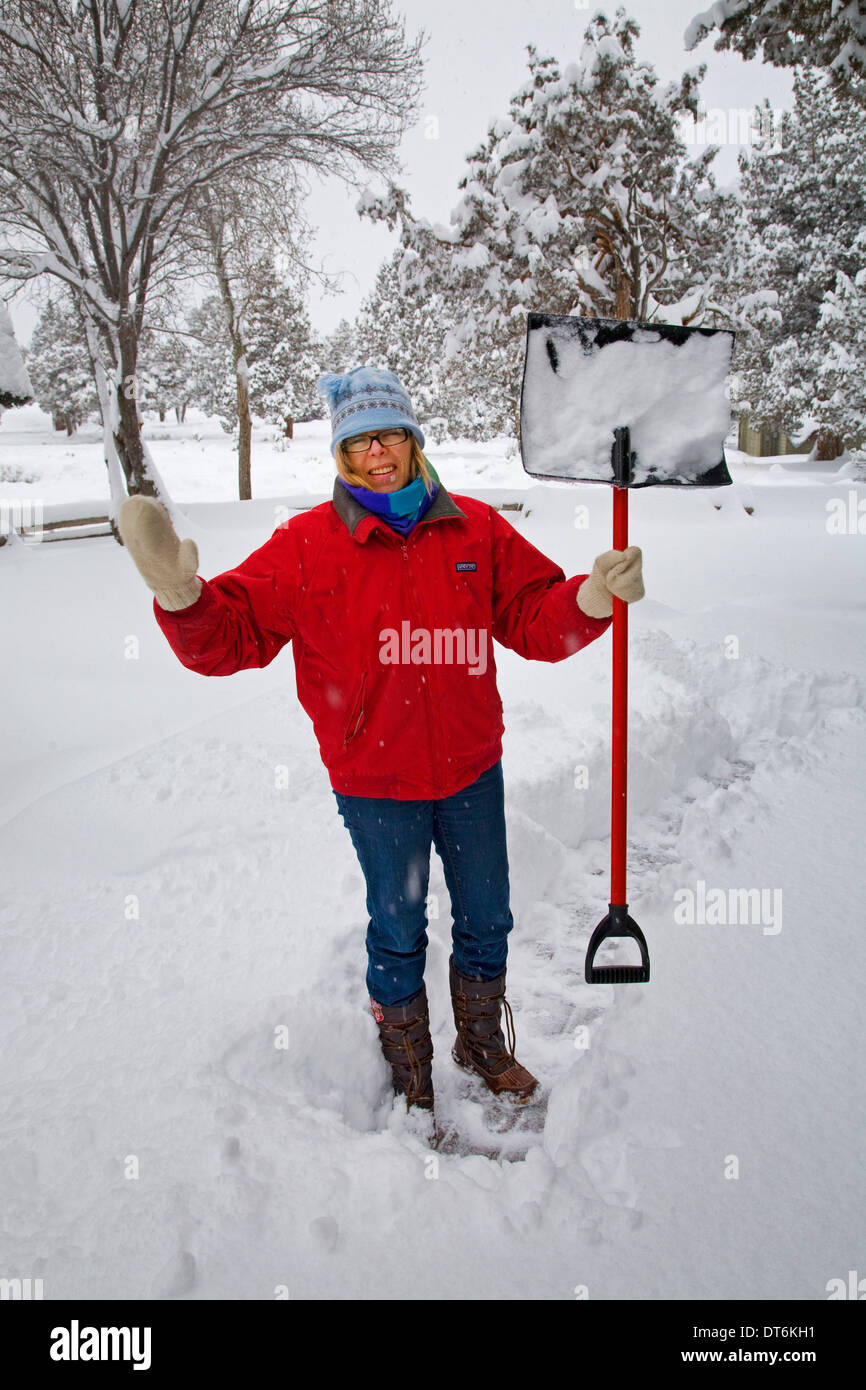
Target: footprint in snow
column 326, row 1231
column 177, row 1278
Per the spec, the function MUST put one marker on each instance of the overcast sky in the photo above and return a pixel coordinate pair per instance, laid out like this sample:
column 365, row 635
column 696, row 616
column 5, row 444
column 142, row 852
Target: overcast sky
column 474, row 60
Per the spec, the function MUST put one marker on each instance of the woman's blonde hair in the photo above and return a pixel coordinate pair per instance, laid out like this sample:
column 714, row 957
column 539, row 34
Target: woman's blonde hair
column 417, row 465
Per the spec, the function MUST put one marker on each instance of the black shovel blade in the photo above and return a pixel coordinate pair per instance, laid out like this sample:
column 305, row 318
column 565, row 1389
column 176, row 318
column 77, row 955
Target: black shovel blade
column 616, row 923
column 584, row 378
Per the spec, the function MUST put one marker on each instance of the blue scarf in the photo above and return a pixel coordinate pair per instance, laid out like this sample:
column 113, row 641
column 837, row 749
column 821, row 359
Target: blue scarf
column 402, row 509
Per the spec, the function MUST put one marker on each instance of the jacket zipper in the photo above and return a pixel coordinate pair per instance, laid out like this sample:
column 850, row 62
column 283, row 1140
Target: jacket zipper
column 350, row 733
column 427, row 692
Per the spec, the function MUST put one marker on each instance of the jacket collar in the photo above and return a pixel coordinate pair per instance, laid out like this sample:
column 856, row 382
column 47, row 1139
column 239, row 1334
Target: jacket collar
column 352, row 513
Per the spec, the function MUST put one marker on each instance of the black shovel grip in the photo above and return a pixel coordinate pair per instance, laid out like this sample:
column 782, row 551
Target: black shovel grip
column 617, row 923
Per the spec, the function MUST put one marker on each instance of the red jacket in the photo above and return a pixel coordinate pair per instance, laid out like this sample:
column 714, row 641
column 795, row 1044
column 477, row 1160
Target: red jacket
column 392, row 636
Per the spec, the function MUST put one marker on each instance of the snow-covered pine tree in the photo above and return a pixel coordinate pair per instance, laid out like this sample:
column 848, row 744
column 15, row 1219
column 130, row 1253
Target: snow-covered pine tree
column 840, row 341
column 828, row 34
column 212, row 376
column 581, row 200
column 398, row 328
column 403, row 326
column 282, row 358
column 165, row 370
column 801, row 251
column 60, row 367
column 339, row 351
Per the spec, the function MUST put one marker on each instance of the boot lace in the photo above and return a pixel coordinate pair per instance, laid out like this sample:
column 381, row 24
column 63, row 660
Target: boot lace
column 415, row 1076
column 509, row 1028
column 491, row 1017
column 399, row 1041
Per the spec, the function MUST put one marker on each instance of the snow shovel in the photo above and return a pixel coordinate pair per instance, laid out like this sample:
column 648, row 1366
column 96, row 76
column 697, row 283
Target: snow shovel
column 632, row 405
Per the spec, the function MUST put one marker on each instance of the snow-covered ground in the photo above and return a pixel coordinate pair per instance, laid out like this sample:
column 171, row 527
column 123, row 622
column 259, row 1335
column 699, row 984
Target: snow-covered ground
column 181, row 899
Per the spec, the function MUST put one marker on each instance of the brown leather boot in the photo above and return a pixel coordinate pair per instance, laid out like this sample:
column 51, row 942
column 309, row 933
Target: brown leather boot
column 404, row 1032
column 480, row 1046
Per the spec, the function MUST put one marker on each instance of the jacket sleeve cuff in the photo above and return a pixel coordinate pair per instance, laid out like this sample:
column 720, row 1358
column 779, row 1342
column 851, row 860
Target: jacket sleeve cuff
column 592, row 601
column 180, row 601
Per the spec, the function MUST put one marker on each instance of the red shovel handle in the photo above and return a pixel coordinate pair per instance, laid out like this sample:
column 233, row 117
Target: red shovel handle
column 620, row 713
column 618, row 922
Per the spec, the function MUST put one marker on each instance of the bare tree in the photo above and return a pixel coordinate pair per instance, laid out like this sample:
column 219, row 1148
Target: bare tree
column 114, row 114
column 233, row 228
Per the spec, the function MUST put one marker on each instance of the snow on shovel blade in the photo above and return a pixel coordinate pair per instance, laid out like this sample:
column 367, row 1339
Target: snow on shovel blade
column 583, row 378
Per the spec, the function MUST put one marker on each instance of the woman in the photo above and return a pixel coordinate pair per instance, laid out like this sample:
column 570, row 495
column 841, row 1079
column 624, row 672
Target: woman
column 392, row 593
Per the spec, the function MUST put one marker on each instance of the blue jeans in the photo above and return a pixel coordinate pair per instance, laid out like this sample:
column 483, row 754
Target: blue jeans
column 392, row 841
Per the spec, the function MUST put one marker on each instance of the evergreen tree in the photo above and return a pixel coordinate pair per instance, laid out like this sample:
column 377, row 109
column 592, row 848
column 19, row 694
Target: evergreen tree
column 212, row 375
column 798, row 276
column 165, row 371
column 282, row 358
column 398, row 330
column 339, row 351
column 282, row 361
column 840, row 341
column 404, row 328
column 829, row 34
column 60, row 368
column 580, row 201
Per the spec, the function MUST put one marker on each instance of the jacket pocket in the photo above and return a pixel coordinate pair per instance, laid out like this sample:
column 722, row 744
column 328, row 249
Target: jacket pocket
column 356, row 719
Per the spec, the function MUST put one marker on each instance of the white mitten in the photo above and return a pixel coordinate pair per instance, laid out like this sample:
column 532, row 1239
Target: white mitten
column 618, row 572
column 167, row 564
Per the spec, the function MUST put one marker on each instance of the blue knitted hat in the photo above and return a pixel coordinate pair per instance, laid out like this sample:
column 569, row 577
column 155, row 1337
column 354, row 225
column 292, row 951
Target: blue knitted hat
column 366, row 398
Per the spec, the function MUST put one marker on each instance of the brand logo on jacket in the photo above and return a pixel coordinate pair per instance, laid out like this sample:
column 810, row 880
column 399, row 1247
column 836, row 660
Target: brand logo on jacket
column 438, row 646
column 466, row 565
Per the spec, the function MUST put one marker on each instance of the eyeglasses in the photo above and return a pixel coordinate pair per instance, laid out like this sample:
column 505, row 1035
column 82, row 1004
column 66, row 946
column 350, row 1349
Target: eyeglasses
column 360, row 443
